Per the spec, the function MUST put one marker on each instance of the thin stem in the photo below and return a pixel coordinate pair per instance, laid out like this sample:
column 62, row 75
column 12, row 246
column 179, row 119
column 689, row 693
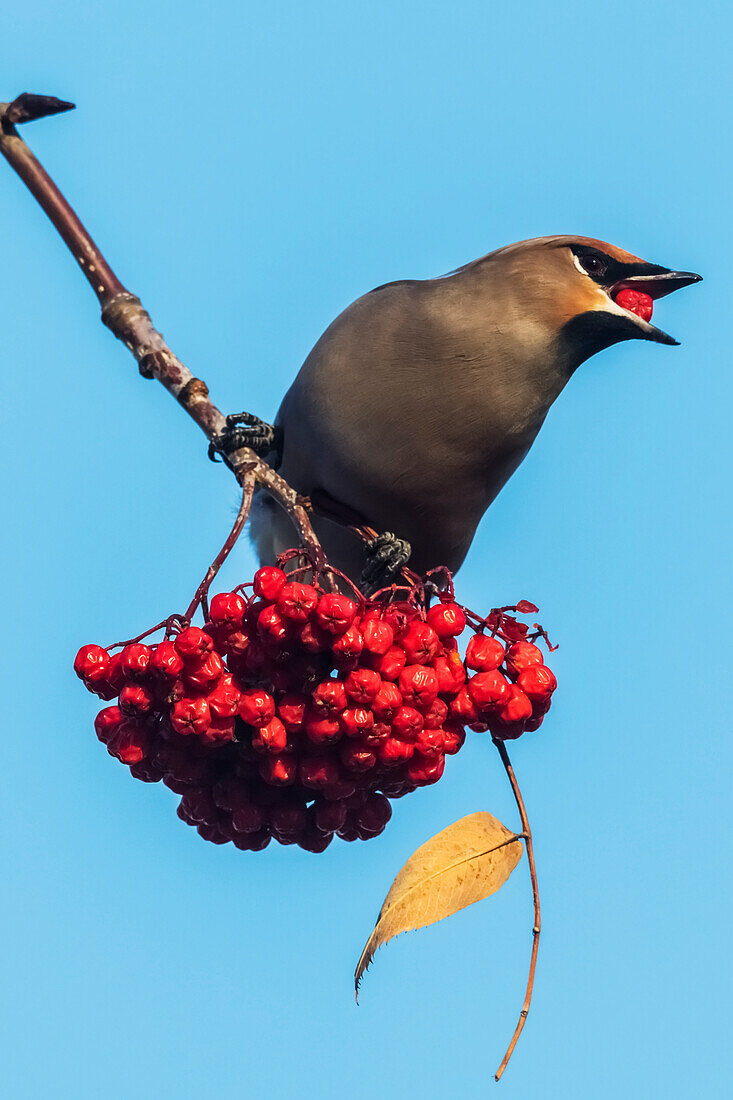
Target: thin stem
column 124, row 315
column 501, row 747
column 200, row 597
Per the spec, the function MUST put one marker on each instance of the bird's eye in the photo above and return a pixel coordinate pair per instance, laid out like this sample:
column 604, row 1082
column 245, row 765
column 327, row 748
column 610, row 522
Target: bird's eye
column 593, row 264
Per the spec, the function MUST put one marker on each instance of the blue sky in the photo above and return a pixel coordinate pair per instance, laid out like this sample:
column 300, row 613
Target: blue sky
column 249, row 170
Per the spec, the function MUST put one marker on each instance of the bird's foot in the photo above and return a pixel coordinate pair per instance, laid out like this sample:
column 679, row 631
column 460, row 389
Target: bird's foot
column 385, row 556
column 246, row 430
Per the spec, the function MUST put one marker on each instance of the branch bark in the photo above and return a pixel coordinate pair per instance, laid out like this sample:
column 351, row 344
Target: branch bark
column 124, row 315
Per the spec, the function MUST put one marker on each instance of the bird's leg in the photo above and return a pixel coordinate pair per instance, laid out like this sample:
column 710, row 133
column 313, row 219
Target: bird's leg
column 386, row 554
column 247, row 430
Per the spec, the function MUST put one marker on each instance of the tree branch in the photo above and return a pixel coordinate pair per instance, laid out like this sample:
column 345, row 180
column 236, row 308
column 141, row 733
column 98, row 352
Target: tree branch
column 125, row 316
column 527, row 833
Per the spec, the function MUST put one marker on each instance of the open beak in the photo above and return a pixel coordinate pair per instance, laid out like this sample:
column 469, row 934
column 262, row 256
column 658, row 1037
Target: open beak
column 657, row 285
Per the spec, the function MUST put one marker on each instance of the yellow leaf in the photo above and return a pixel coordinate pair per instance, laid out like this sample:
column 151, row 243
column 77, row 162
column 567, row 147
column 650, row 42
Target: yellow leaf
column 464, row 863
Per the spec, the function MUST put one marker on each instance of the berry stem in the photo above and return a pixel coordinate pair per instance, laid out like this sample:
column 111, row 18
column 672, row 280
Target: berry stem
column 527, row 834
column 125, row 316
column 200, row 596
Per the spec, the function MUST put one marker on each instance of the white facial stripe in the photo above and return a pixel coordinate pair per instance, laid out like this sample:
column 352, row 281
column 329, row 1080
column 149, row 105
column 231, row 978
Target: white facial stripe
column 579, row 266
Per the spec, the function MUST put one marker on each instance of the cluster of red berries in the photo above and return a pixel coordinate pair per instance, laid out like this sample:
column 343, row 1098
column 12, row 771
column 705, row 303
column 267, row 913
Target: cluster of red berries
column 297, row 714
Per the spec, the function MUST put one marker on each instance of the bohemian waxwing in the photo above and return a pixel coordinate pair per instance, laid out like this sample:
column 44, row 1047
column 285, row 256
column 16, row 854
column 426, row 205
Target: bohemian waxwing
column 421, row 399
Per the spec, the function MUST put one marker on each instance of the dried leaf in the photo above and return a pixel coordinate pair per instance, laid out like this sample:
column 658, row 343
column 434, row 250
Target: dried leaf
column 464, row 863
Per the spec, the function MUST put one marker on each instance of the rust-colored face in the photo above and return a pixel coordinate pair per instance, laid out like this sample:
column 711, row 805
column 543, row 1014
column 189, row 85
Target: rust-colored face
column 563, row 279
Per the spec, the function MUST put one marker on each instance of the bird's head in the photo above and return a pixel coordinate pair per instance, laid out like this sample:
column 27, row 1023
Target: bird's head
column 589, row 293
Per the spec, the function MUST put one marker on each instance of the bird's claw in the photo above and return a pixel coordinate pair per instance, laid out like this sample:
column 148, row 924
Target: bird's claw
column 385, row 556
column 246, row 430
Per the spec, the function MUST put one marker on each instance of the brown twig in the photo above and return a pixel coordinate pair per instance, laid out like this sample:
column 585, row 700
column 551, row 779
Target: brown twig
column 527, row 832
column 201, row 594
column 124, row 315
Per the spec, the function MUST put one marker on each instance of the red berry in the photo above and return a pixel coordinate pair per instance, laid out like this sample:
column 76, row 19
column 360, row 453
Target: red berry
column 378, row 636
column 423, row 771
column 518, row 708
column 447, row 620
column 191, row 716
column 296, row 601
column 198, row 805
column 272, row 626
column 212, row 833
column 252, row 842
column 339, row 789
column 279, row 771
column 450, row 672
column 407, row 723
column 334, row 613
column 106, row 722
column 330, row 816
column 227, row 609
column 320, row 729
column 220, row 730
column 462, row 707
column 237, row 644
column 420, row 643
column 289, row 819
column 374, row 814
column 313, row 639
column 256, row 660
column 248, row 818
column 257, row 707
column 291, row 711
column 230, row 794
column 362, row 686
column 377, row 735
column 356, row 757
column 349, row 645
column 193, row 644
column 146, row 771
column 435, row 715
column 204, row 675
column 318, row 771
column 225, row 699
column 419, row 685
column 129, row 743
column 522, row 655
column 135, row 700
column 270, row 738
column 269, row 582
column 399, row 616
column 430, row 743
column 387, row 701
column 636, row 301
column 356, row 721
column 489, row 690
column 390, row 664
column 454, row 737
column 330, row 698
column 314, row 841
column 134, row 660
column 115, row 677
column 537, row 682
column 166, row 663
column 91, row 663
column 483, row 653
column 394, row 751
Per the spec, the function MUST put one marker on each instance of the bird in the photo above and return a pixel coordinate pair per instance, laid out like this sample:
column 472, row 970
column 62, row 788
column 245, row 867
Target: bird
column 422, row 398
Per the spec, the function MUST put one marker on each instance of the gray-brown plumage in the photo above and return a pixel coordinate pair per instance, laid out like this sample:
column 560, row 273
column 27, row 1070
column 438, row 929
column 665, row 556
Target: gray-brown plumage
column 422, row 398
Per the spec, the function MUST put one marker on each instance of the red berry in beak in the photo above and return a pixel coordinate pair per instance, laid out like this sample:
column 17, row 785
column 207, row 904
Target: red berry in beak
column 636, row 301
